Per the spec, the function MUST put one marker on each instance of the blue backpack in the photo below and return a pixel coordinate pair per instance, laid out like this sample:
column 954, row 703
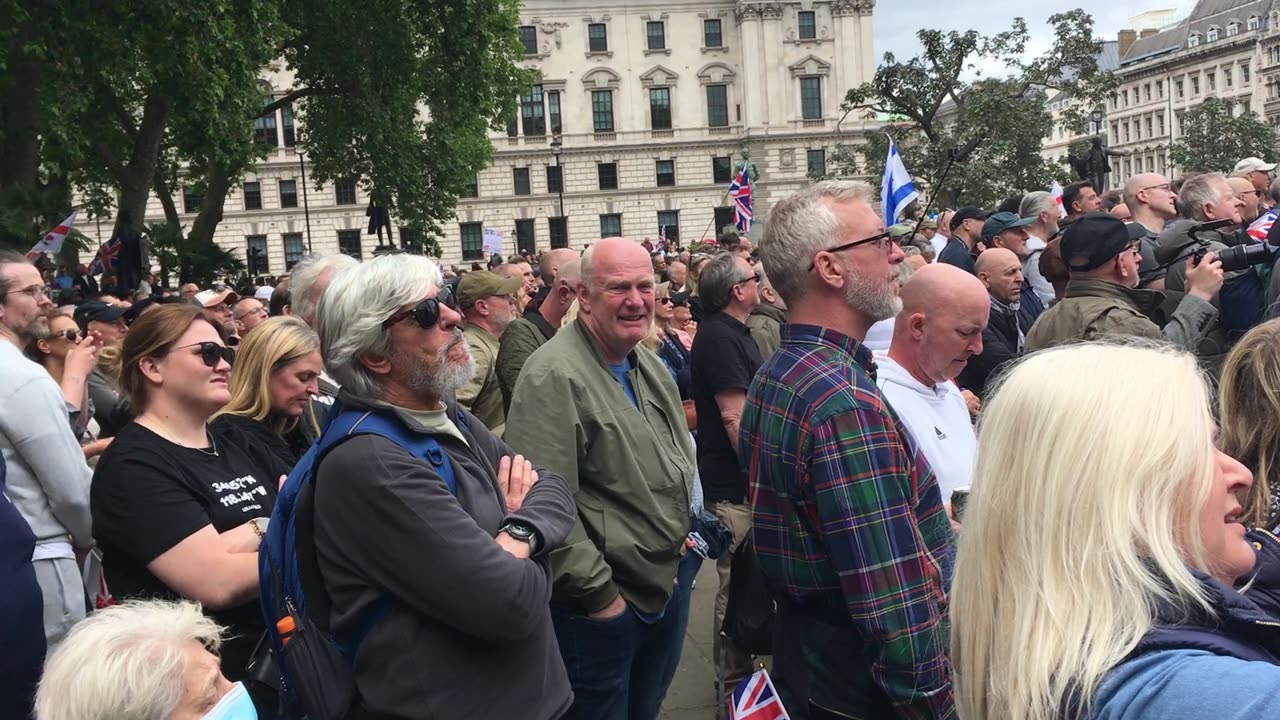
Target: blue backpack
column 316, row 668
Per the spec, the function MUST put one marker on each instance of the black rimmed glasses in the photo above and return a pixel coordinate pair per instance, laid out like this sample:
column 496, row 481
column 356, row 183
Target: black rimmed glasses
column 749, row 278
column 883, row 241
column 427, row 312
column 211, row 352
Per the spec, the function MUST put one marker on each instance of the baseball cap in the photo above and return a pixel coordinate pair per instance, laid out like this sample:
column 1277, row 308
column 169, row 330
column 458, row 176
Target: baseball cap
column 929, row 224
column 1250, row 164
column 1093, row 240
column 1002, row 221
column 214, row 298
column 899, row 230
column 967, row 213
column 99, row 311
column 480, row 284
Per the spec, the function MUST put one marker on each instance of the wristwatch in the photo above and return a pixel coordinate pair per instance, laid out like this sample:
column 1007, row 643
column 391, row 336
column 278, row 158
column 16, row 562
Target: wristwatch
column 523, row 532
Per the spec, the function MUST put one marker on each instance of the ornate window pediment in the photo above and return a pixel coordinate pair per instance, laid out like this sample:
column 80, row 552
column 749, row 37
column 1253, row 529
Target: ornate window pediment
column 601, row 78
column 811, row 66
column 659, row 76
column 716, row 73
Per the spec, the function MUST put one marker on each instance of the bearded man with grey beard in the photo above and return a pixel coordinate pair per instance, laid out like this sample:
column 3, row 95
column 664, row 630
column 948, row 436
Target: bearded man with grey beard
column 460, row 554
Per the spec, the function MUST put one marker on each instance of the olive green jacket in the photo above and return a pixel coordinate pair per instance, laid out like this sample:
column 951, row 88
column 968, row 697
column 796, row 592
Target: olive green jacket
column 1092, row 309
column 630, row 468
column 481, row 395
column 518, row 342
column 765, row 323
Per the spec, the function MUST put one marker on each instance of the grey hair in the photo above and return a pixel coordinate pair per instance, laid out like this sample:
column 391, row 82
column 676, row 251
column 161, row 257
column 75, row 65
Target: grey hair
column 802, row 225
column 1034, row 203
column 1201, row 190
column 306, row 273
column 1274, row 191
column 9, row 257
column 909, row 250
column 716, row 283
column 349, row 319
column 124, row 661
column 903, row 272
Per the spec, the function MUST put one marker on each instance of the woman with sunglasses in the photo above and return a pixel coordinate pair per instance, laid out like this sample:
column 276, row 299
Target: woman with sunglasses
column 176, row 513
column 69, row 360
column 277, row 374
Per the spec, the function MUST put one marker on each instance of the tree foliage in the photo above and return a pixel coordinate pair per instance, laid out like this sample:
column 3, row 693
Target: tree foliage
column 1214, row 140
column 190, row 259
column 993, row 126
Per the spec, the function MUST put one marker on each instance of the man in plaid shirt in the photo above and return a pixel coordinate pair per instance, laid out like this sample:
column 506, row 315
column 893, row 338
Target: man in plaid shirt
column 849, row 524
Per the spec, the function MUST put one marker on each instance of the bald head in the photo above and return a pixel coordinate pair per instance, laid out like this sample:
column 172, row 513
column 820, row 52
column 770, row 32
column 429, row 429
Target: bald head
column 1000, row 271
column 944, row 311
column 1244, row 190
column 1149, row 198
column 549, row 268
column 610, row 252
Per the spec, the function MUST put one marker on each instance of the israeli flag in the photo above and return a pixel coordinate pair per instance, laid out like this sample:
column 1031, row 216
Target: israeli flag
column 896, row 189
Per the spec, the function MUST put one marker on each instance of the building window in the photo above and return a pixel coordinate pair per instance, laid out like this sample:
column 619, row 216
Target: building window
column 286, row 117
column 553, row 110
column 1160, row 124
column 1212, row 78
column 473, row 188
column 1195, row 85
column 816, row 160
column 1252, row 22
column 1149, row 124
column 554, row 179
column 1146, row 92
column 529, row 39
column 1178, row 89
column 597, row 38
column 344, row 192
column 1125, row 95
column 655, row 34
column 520, row 176
column 608, row 175
column 669, row 220
column 255, row 255
column 811, row 98
column 408, row 239
column 526, row 242
column 1212, row 35
column 1160, row 89
column 717, row 106
column 808, row 25
column 288, row 193
column 721, row 170
column 1115, row 132
column 1244, row 75
column 264, row 128
column 1193, row 39
column 532, row 119
column 660, row 108
column 252, row 196
column 1226, row 77
column 666, row 172
column 602, row 110
column 472, row 235
column 711, row 34
column 190, row 200
column 558, row 232
column 349, row 243
column 1127, row 136
column 1233, row 28
column 293, row 249
column 610, row 225
column 724, row 218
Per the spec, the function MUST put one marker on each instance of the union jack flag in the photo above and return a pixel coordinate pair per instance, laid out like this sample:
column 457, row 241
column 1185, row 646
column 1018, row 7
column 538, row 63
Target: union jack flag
column 1260, row 227
column 662, row 238
column 108, row 257
column 756, row 699
column 740, row 189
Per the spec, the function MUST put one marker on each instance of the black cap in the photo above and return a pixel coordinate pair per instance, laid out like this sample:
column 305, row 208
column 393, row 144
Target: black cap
column 680, row 298
column 967, row 213
column 1093, row 240
column 97, row 310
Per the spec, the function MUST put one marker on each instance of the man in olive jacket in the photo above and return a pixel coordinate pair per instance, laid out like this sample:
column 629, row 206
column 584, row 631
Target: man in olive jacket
column 538, row 324
column 604, row 413
column 1103, row 297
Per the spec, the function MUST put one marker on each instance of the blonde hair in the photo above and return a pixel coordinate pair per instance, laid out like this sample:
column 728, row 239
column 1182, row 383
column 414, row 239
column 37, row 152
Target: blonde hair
column 1080, row 521
column 124, row 661
column 1249, row 405
column 272, row 345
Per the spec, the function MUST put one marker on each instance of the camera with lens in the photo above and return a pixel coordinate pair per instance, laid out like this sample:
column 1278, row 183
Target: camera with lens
column 1242, row 254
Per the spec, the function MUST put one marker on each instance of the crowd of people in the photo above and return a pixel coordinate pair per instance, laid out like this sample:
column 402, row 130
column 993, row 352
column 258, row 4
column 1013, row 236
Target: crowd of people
column 928, row 445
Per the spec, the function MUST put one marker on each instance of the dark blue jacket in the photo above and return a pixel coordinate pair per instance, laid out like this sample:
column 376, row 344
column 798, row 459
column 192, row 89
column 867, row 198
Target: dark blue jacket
column 21, row 612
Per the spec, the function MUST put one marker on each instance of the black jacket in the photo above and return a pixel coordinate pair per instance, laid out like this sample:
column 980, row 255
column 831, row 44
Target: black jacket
column 999, row 347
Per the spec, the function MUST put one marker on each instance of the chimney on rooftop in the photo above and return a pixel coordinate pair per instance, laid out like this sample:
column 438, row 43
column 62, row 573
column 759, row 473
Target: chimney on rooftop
column 1125, row 39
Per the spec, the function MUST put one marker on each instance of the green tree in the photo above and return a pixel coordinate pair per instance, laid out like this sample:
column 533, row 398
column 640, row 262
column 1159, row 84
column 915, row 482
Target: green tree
column 992, row 126
column 1214, row 140
column 203, row 263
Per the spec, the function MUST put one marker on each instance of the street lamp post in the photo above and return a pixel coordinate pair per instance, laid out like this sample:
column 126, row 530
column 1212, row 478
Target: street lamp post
column 1096, row 117
column 557, row 147
column 306, row 206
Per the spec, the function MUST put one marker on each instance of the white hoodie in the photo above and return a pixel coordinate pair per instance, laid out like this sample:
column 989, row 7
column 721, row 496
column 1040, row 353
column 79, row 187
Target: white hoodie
column 938, row 420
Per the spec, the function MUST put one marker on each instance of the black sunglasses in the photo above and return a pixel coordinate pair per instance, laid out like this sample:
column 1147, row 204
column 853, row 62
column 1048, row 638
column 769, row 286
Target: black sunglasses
column 748, row 279
column 211, row 352
column 427, row 312
column 70, row 336
column 878, row 239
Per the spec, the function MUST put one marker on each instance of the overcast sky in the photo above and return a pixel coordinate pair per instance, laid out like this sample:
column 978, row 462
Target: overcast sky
column 896, row 21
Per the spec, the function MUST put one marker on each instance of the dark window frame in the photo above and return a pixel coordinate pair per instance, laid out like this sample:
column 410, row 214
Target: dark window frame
column 190, row 200
column 717, row 107
column 598, row 42
column 472, row 245
column 601, row 111
column 614, row 221
column 520, row 181
column 345, row 238
column 811, row 97
column 660, row 109
column 252, row 194
column 667, row 178
column 807, row 25
column 251, row 258
column 553, row 110
column 264, row 127
column 717, row 166
column 707, row 33
column 673, row 229
column 555, row 178
column 344, row 192
column 292, row 255
column 558, row 232
column 821, row 155
column 285, row 202
column 533, row 113
column 652, row 40
column 607, row 175
column 528, row 38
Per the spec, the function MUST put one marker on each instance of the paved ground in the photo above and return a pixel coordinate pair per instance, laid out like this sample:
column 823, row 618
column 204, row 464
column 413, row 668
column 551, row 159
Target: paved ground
column 692, row 693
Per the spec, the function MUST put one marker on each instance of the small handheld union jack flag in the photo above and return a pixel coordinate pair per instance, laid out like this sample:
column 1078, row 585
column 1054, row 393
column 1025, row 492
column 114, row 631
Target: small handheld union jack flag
column 740, row 189
column 108, row 257
column 756, row 699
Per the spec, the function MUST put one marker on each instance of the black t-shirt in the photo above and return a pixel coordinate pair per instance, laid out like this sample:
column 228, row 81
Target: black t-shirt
column 724, row 357
column 149, row 494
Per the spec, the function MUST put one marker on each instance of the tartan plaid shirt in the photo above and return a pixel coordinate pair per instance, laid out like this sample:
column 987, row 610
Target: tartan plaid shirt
column 874, row 540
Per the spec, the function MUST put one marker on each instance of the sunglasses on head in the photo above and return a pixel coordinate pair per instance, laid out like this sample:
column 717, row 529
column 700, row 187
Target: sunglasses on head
column 211, row 352
column 427, row 312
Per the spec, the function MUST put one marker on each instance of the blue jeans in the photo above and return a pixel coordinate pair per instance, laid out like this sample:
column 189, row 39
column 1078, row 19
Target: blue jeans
column 620, row 668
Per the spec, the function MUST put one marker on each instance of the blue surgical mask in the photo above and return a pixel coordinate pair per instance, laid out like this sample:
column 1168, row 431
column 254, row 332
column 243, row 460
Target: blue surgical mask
column 235, row 705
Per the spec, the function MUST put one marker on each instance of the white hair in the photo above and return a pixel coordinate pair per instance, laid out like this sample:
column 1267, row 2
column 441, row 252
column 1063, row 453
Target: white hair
column 801, row 226
column 353, row 308
column 1034, row 203
column 1201, row 190
column 124, row 662
column 305, row 274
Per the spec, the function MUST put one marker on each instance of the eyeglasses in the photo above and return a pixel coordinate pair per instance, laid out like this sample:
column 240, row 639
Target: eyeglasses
column 260, row 312
column 883, row 241
column 1135, row 248
column 427, row 312
column 70, row 336
column 665, row 301
column 211, row 352
column 749, row 278
column 35, row 291
column 1162, row 186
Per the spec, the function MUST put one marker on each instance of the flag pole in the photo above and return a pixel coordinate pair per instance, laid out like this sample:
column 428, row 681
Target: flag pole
column 933, row 194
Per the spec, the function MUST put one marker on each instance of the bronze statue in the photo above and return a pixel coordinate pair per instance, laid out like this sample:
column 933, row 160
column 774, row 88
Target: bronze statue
column 1094, row 166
